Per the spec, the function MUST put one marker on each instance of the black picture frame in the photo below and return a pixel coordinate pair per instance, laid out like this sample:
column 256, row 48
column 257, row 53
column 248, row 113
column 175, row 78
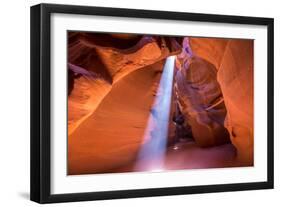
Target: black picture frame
column 41, row 95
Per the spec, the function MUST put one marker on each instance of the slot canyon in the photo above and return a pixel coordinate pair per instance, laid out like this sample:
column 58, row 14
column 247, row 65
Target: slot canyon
column 156, row 103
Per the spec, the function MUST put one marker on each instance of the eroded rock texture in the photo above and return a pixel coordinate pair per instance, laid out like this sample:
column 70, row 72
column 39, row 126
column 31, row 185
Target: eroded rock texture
column 112, row 83
column 112, row 134
column 98, row 61
column 234, row 61
column 201, row 100
column 236, row 79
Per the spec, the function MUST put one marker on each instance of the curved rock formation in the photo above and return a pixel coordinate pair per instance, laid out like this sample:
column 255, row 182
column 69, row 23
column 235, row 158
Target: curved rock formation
column 210, row 49
column 112, row 83
column 111, row 136
column 234, row 61
column 201, row 101
column 98, row 61
column 236, row 79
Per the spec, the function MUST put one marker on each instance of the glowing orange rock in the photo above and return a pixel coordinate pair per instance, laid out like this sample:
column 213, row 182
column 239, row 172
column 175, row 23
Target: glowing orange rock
column 234, row 61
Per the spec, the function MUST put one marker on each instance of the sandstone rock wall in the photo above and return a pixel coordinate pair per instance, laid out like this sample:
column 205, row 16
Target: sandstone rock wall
column 234, row 62
column 112, row 85
column 200, row 98
column 113, row 80
column 97, row 61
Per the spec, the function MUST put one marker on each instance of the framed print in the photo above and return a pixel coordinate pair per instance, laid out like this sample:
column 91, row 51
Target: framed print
column 133, row 103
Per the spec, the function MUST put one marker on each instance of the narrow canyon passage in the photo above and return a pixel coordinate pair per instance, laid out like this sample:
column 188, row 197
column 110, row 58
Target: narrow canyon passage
column 150, row 103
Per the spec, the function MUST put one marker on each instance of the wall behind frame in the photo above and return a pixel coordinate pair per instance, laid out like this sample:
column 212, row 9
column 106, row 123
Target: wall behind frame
column 14, row 105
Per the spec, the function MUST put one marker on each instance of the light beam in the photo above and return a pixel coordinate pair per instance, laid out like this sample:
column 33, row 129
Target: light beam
column 152, row 153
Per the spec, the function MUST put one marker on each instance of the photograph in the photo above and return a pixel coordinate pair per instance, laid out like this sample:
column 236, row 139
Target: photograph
column 133, row 103
column 156, row 103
